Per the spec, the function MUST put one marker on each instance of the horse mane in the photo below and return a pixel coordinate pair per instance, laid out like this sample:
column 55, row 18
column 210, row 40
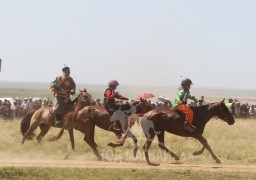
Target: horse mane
column 199, row 108
column 75, row 100
column 136, row 103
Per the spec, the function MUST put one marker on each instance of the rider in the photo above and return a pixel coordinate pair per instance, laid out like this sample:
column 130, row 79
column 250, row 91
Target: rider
column 63, row 87
column 109, row 100
column 180, row 103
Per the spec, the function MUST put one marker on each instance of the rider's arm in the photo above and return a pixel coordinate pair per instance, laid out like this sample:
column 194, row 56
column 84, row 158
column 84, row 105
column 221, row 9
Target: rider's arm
column 109, row 94
column 74, row 85
column 180, row 95
column 178, row 99
column 121, row 97
column 73, row 88
column 55, row 83
column 194, row 98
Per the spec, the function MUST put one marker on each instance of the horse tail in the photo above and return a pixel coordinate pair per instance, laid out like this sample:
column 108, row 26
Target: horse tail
column 25, row 121
column 55, row 138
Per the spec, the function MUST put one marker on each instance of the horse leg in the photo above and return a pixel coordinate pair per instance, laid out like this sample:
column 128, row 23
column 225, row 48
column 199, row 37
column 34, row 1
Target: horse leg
column 120, row 140
column 44, row 129
column 196, row 153
column 72, row 140
column 147, row 144
column 135, row 150
column 206, row 145
column 163, row 147
column 130, row 135
column 31, row 129
column 89, row 139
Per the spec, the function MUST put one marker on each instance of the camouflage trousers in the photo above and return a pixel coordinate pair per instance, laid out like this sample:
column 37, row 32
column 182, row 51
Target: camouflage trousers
column 58, row 105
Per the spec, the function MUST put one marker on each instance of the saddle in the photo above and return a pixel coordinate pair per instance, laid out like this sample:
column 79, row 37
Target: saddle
column 111, row 108
column 180, row 115
column 65, row 108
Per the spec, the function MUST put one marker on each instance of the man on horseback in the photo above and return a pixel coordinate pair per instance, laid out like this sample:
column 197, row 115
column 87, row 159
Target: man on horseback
column 180, row 103
column 63, row 87
column 109, row 100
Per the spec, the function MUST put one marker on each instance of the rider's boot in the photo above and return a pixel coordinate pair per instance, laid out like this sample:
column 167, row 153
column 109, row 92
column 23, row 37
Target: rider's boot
column 57, row 119
column 117, row 126
column 189, row 127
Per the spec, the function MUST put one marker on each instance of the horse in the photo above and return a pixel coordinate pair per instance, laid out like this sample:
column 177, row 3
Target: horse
column 156, row 122
column 92, row 116
column 45, row 119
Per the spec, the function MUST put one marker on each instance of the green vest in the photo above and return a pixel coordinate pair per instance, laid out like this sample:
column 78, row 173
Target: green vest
column 183, row 96
column 229, row 105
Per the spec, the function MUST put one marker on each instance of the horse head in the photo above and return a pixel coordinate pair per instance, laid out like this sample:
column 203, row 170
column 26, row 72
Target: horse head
column 86, row 98
column 143, row 106
column 221, row 110
column 83, row 99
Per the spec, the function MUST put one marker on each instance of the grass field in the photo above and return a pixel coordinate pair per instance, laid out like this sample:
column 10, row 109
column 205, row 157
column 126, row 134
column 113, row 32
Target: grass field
column 65, row 173
column 234, row 145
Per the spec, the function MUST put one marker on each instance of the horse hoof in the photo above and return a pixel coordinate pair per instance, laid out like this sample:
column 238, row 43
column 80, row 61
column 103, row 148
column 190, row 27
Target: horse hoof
column 100, row 159
column 153, row 164
column 114, row 145
column 196, row 153
column 177, row 158
column 104, row 160
column 218, row 161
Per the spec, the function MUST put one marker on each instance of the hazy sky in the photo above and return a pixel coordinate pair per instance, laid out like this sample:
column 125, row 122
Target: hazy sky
column 138, row 42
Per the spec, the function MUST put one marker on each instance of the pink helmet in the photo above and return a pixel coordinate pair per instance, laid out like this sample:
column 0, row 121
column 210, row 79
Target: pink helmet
column 113, row 83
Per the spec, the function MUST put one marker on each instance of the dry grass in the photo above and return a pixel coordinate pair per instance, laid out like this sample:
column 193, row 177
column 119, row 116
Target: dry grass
column 232, row 144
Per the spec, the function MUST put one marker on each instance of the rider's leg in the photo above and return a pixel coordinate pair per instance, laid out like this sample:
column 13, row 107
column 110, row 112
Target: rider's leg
column 58, row 109
column 116, row 123
column 189, row 114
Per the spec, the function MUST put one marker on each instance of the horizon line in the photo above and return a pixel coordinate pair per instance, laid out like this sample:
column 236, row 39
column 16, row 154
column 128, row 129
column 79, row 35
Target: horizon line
column 153, row 86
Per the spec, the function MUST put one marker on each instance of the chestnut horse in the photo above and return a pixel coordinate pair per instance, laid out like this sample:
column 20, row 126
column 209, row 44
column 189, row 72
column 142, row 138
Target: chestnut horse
column 92, row 116
column 44, row 119
column 156, row 122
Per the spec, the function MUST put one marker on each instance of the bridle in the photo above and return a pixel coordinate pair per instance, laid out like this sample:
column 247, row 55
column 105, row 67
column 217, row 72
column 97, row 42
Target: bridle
column 222, row 113
column 87, row 98
column 141, row 107
column 83, row 99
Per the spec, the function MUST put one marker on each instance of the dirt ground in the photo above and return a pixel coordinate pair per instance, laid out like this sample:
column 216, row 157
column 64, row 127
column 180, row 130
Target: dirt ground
column 125, row 165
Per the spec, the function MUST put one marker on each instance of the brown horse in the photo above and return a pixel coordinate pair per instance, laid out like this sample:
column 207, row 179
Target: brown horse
column 156, row 122
column 44, row 119
column 92, row 116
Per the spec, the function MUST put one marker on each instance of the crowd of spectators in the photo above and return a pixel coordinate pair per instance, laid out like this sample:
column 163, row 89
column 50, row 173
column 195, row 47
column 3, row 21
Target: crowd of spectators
column 238, row 109
column 16, row 108
column 10, row 109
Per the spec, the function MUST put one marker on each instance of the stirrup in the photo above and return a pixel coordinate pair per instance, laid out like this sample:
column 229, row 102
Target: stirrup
column 189, row 127
column 116, row 128
column 56, row 122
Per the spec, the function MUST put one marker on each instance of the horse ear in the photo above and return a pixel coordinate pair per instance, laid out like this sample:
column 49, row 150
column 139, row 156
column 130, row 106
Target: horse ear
column 80, row 90
column 141, row 99
column 223, row 100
